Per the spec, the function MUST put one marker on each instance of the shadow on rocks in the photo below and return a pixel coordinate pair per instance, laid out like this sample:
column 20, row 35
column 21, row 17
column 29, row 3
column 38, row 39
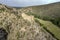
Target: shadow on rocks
column 3, row 34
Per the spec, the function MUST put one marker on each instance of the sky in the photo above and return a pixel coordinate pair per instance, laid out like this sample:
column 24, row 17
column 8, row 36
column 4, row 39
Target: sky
column 24, row 3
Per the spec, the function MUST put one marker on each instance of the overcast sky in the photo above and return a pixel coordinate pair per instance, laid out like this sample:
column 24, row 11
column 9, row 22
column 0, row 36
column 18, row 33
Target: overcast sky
column 22, row 3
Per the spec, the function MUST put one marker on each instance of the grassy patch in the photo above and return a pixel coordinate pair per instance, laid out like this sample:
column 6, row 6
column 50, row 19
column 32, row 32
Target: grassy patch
column 50, row 27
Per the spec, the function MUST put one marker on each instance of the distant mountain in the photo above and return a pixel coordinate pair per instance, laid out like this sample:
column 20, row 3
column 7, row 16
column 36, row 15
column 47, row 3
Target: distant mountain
column 52, row 10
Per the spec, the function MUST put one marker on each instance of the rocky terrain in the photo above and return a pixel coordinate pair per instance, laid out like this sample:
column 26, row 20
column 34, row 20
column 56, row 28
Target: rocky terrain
column 16, row 24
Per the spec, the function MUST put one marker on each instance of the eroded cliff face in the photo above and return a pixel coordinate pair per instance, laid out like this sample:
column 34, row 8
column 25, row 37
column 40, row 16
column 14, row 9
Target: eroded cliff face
column 21, row 26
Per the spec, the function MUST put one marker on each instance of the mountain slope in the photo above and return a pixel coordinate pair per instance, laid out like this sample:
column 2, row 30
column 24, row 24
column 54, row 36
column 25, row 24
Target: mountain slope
column 50, row 12
column 21, row 26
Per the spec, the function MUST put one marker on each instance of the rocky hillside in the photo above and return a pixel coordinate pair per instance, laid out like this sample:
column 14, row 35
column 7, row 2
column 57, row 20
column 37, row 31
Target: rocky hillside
column 16, row 24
